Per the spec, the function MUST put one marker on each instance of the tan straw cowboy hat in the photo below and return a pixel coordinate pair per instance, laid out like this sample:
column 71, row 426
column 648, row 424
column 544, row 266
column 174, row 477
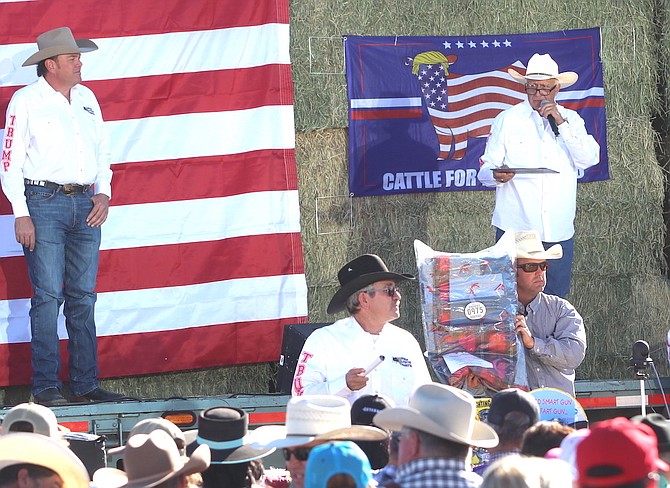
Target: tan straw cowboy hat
column 542, row 67
column 59, row 41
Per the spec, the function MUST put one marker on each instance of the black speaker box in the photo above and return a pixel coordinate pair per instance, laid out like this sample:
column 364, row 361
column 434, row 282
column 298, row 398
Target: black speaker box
column 89, row 448
column 292, row 341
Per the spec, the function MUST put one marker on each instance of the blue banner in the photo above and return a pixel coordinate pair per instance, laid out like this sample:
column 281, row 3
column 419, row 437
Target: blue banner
column 420, row 108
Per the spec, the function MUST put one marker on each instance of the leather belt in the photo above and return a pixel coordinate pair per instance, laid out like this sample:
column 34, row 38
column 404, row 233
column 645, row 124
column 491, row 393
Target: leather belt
column 67, row 188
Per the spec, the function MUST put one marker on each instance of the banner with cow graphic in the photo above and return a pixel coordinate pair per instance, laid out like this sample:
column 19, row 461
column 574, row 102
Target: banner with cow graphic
column 420, row 108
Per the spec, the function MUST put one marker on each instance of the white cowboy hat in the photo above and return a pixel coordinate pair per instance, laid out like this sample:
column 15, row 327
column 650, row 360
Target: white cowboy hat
column 149, row 460
column 542, row 67
column 59, row 41
column 529, row 246
column 315, row 417
column 31, row 448
column 443, row 411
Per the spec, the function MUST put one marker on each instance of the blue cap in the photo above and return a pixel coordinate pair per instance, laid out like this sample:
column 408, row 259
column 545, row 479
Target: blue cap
column 333, row 458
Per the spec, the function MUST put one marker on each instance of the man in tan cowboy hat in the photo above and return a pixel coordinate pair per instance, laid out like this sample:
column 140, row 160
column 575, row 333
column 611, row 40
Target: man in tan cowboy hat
column 437, row 429
column 34, row 460
column 153, row 460
column 56, row 174
column 312, row 420
column 363, row 354
column 551, row 330
column 539, row 133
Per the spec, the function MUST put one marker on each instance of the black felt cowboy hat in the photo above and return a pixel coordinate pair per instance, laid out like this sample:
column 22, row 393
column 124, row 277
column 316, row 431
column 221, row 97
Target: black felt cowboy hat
column 359, row 273
column 225, row 431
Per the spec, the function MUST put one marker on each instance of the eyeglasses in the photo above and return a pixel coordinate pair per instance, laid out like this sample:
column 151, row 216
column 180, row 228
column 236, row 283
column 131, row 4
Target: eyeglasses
column 300, row 453
column 389, row 290
column 532, row 90
column 533, row 267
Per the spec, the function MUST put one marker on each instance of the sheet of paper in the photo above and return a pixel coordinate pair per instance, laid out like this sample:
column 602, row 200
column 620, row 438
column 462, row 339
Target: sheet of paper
column 458, row 360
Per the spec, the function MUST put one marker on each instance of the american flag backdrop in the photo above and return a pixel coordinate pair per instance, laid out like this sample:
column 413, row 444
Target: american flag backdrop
column 201, row 262
column 420, row 108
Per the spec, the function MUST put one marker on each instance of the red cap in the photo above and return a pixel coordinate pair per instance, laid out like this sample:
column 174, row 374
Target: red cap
column 617, row 451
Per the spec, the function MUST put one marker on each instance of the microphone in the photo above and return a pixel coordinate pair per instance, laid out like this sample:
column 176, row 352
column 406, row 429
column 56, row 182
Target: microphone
column 551, row 119
column 640, row 357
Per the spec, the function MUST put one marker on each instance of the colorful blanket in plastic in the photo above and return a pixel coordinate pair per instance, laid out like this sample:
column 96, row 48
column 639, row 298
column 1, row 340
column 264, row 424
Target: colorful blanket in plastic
column 469, row 303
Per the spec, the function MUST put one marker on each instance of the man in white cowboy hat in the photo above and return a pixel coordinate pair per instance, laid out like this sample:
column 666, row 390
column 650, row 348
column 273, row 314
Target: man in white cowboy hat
column 312, row 420
column 363, row 354
column 437, row 429
column 153, row 460
column 32, row 460
column 56, row 175
column 549, row 327
column 539, row 133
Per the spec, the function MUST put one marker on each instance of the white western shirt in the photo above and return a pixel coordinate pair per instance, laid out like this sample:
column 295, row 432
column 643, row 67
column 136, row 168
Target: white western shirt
column 331, row 351
column 521, row 138
column 47, row 138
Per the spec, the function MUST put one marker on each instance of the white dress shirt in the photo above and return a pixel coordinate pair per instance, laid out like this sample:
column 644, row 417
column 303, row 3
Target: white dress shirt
column 331, row 351
column 521, row 138
column 48, row 138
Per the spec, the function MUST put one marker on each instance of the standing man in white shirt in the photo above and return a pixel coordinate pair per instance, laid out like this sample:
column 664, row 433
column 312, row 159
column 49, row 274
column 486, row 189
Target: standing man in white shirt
column 539, row 133
column 335, row 359
column 56, row 174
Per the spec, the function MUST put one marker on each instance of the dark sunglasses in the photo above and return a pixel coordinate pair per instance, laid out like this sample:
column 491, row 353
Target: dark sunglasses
column 389, row 290
column 300, row 453
column 532, row 267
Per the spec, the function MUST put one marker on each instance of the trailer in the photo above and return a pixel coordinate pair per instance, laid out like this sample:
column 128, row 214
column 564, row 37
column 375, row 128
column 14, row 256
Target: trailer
column 112, row 421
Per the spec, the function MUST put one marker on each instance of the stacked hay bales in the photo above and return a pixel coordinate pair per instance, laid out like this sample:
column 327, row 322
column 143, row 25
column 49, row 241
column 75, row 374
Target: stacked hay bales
column 619, row 273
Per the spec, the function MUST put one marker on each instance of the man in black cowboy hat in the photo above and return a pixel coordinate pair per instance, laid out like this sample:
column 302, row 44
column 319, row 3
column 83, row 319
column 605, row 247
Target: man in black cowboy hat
column 363, row 354
column 56, row 174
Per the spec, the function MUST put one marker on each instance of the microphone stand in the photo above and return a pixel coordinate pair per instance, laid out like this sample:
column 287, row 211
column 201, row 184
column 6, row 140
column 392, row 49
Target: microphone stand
column 640, row 360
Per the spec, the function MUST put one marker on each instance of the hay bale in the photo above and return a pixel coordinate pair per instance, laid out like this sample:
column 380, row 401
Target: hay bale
column 620, row 227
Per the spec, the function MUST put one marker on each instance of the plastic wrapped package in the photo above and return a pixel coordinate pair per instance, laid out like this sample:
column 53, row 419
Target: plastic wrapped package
column 469, row 304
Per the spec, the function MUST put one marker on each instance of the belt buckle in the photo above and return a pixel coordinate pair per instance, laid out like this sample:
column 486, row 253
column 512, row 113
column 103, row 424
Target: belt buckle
column 68, row 188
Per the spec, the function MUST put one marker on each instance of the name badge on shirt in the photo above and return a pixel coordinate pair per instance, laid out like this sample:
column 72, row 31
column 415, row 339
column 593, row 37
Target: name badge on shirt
column 403, row 362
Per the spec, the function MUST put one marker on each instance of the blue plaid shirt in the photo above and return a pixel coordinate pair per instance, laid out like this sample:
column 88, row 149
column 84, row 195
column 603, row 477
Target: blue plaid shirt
column 437, row 473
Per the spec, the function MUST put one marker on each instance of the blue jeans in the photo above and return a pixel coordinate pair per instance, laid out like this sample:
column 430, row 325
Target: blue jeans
column 559, row 274
column 63, row 269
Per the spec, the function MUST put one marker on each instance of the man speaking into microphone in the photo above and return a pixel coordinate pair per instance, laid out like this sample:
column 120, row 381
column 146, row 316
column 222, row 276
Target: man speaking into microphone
column 544, row 145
